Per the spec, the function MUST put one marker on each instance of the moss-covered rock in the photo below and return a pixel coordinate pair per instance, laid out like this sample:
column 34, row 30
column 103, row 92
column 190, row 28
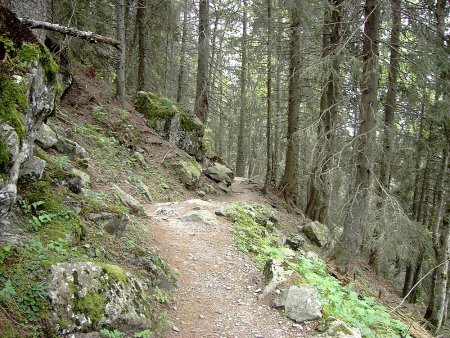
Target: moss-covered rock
column 173, row 124
column 28, row 88
column 187, row 170
column 86, row 296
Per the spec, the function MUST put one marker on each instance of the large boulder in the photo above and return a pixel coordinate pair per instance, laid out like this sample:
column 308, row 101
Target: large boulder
column 86, row 296
column 318, row 233
column 301, row 303
column 113, row 223
column 129, row 201
column 187, row 170
column 171, row 123
column 219, row 173
column 27, row 99
column 46, row 137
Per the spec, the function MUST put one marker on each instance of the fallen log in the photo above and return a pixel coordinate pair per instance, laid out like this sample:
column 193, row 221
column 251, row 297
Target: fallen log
column 84, row 35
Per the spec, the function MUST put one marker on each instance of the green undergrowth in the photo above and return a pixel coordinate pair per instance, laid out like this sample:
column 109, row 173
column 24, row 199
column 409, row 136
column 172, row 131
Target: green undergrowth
column 371, row 318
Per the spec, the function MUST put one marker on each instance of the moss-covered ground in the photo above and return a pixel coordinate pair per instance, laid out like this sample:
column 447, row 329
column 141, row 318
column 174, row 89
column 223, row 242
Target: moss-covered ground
column 371, row 318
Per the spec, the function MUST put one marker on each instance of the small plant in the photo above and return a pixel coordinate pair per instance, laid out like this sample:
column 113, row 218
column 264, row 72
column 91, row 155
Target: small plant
column 98, row 112
column 111, row 334
column 32, row 301
column 143, row 334
column 160, row 296
column 7, row 292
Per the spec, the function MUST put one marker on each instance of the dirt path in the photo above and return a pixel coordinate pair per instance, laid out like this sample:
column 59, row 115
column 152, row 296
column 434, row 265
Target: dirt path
column 218, row 285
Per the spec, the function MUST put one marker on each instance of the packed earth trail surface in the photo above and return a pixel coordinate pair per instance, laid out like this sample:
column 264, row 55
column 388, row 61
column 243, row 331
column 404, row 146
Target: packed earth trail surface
column 218, row 286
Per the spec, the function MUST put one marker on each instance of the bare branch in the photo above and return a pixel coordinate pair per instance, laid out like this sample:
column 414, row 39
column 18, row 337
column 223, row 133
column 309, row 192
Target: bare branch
column 84, row 35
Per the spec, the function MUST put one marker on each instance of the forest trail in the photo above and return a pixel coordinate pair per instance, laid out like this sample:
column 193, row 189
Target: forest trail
column 218, row 286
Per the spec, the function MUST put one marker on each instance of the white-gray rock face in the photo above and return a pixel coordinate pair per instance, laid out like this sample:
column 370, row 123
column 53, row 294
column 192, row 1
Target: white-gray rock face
column 46, row 137
column 274, row 275
column 219, row 173
column 41, row 100
column 301, row 303
column 86, row 296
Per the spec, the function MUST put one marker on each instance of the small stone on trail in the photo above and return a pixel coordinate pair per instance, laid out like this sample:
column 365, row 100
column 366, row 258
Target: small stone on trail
column 175, row 329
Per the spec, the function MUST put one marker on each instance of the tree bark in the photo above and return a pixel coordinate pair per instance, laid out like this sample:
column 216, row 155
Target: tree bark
column 140, row 20
column 201, row 96
column 319, row 185
column 289, row 182
column 269, row 175
column 121, row 53
column 181, row 73
column 240, row 158
column 84, row 35
column 353, row 234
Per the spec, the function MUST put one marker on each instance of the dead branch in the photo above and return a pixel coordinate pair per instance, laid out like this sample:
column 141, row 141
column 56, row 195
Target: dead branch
column 84, row 35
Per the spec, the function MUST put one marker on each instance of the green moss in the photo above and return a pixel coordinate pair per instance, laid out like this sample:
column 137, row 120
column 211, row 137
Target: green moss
column 93, row 305
column 50, row 66
column 29, row 52
column 115, row 272
column 188, row 122
column 13, row 103
column 42, row 190
column 4, row 156
column 154, row 107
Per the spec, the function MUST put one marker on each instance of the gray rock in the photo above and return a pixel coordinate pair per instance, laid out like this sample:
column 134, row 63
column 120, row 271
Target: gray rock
column 86, row 296
column 85, row 178
column 334, row 328
column 112, row 223
column 163, row 276
column 129, row 201
column 139, row 157
column 188, row 171
column 274, row 275
column 220, row 173
column 318, row 233
column 202, row 216
column 201, row 193
column 312, row 256
column 71, row 148
column 46, row 137
column 144, row 190
column 171, row 123
column 301, row 303
column 33, row 168
column 295, row 242
column 40, row 97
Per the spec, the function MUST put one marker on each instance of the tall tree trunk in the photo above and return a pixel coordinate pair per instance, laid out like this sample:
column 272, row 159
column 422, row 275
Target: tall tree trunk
column 201, row 96
column 120, row 7
column 391, row 100
column 140, row 21
column 319, row 185
column 269, row 175
column 289, row 182
column 353, row 234
column 441, row 239
column 240, row 158
column 181, row 73
column 389, row 120
column 276, row 145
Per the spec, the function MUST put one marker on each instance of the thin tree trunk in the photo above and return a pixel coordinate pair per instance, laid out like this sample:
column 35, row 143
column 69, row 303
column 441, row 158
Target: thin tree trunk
column 441, row 227
column 353, row 234
column 120, row 6
column 269, row 175
column 140, row 20
column 201, row 96
column 289, row 182
column 181, row 74
column 276, row 146
column 240, row 158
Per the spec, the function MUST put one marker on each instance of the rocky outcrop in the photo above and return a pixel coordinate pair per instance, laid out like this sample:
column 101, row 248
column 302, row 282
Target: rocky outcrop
column 186, row 169
column 171, row 123
column 86, row 296
column 129, row 201
column 318, row 234
column 219, row 173
column 301, row 303
column 274, row 275
column 28, row 88
column 112, row 223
